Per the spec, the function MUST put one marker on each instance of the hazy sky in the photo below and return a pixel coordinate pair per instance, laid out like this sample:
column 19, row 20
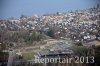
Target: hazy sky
column 15, row 8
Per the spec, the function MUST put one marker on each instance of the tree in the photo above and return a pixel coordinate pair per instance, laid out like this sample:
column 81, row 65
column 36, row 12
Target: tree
column 97, row 56
column 80, row 50
column 51, row 33
column 98, row 6
column 23, row 16
column 78, row 44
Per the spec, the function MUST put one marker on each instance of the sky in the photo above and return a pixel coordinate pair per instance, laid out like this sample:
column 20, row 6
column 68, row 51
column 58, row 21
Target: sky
column 16, row 8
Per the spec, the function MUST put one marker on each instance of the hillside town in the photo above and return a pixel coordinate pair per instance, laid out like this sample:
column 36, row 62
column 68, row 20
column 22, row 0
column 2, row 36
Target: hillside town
column 79, row 25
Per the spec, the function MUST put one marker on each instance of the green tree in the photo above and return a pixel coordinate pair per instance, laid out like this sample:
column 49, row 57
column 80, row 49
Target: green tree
column 51, row 33
column 97, row 56
column 80, row 50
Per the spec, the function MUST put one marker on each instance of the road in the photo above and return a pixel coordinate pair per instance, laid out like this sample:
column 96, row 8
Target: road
column 10, row 59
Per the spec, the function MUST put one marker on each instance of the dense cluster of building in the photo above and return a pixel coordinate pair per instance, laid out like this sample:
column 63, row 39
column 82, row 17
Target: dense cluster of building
column 79, row 25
